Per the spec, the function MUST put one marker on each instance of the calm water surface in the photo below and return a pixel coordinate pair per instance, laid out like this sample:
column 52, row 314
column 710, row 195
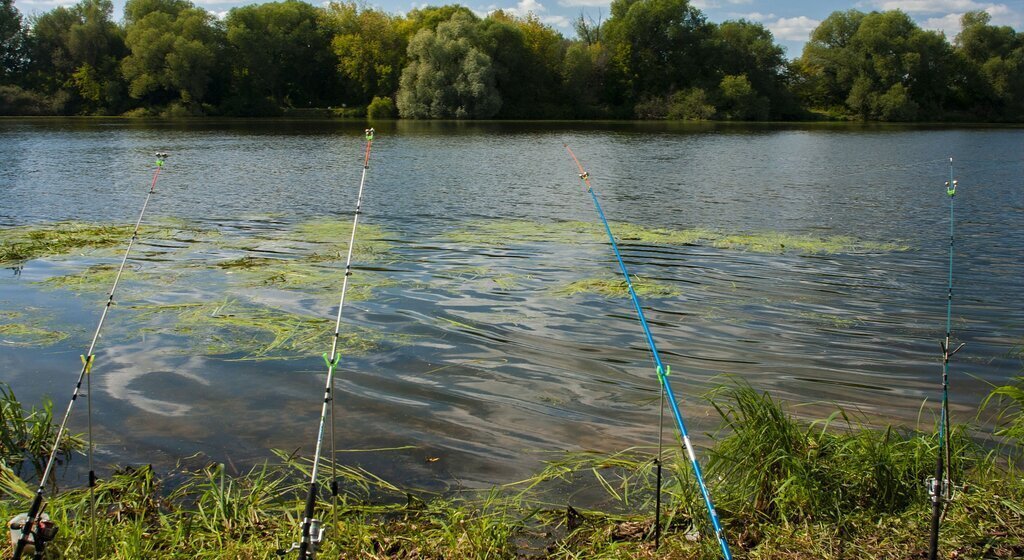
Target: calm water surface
column 493, row 376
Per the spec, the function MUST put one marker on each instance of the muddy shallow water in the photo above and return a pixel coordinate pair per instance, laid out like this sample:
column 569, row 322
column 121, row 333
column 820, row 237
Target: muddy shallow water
column 485, row 327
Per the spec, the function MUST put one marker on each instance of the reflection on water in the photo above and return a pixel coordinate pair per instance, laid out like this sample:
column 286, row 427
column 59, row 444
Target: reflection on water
column 480, row 357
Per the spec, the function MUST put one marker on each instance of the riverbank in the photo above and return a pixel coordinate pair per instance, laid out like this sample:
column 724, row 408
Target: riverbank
column 784, row 489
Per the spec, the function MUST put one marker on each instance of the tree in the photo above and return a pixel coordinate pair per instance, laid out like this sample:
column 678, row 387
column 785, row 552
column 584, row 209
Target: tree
column 527, row 57
column 279, row 55
column 656, row 47
column 11, row 40
column 370, row 47
column 742, row 48
column 73, row 55
column 993, row 68
column 175, row 49
column 448, row 75
column 877, row 65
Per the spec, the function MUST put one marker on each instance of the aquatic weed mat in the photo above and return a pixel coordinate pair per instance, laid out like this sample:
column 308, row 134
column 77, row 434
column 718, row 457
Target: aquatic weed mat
column 503, row 233
column 19, row 329
column 246, row 331
column 24, row 243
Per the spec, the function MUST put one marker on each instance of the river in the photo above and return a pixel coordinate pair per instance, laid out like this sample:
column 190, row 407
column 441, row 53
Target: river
column 482, row 363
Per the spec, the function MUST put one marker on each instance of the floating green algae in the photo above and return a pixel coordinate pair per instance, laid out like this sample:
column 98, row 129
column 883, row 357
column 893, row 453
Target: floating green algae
column 332, row 236
column 252, row 331
column 22, row 334
column 779, row 242
column 507, row 232
column 500, row 233
column 617, row 288
column 24, row 243
column 483, row 276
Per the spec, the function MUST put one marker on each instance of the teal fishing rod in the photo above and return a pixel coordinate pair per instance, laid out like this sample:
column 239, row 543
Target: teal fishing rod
column 662, row 371
column 941, row 486
column 37, row 530
column 312, row 528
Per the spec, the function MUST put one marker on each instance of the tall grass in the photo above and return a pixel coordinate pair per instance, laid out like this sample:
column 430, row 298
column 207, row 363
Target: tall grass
column 27, row 436
column 785, row 488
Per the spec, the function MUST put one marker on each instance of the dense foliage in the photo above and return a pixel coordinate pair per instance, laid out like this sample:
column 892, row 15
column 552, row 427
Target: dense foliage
column 650, row 59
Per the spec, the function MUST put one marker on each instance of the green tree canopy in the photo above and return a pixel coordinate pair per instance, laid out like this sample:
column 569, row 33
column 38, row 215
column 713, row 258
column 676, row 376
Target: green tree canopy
column 11, row 36
column 279, row 55
column 656, row 46
column 175, row 49
column 879, row 65
column 448, row 75
column 370, row 46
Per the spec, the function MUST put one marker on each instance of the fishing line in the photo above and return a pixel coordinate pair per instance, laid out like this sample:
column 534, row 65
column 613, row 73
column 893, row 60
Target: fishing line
column 312, row 528
column 662, row 371
column 36, row 529
column 940, row 487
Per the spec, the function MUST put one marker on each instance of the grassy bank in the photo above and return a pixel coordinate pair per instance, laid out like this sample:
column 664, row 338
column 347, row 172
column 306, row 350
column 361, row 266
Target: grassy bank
column 785, row 488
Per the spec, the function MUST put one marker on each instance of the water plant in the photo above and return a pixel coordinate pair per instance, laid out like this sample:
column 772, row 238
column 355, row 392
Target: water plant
column 249, row 332
column 24, row 243
column 501, row 233
column 616, row 288
column 27, row 436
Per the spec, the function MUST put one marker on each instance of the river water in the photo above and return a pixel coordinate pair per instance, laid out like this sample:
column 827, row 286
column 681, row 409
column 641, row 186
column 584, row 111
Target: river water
column 483, row 368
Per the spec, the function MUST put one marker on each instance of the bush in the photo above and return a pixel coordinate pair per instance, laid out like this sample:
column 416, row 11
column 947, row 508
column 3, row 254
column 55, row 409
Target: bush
column 381, row 108
column 651, row 108
column 691, row 105
column 15, row 101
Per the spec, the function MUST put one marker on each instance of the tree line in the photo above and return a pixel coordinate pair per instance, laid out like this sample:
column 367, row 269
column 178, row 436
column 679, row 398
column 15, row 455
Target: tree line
column 650, row 59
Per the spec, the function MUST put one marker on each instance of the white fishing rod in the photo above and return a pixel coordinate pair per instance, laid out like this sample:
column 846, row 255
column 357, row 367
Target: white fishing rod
column 36, row 528
column 312, row 528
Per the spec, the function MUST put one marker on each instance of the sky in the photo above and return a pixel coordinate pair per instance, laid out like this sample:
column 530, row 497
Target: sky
column 790, row 21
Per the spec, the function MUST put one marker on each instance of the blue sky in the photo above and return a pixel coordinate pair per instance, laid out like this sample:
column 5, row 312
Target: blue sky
column 791, row 22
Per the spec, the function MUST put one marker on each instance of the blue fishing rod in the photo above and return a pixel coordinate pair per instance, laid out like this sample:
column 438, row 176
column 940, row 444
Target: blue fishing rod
column 663, row 372
column 312, row 528
column 36, row 528
column 940, row 487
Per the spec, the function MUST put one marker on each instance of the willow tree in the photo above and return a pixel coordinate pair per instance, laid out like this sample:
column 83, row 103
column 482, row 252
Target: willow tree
column 175, row 51
column 448, row 75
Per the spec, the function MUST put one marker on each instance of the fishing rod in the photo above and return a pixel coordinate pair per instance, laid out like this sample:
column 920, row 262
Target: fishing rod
column 940, row 487
column 312, row 528
column 663, row 372
column 35, row 526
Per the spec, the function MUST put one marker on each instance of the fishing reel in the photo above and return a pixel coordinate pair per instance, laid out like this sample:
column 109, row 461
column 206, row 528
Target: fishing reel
column 316, row 536
column 39, row 535
column 939, row 491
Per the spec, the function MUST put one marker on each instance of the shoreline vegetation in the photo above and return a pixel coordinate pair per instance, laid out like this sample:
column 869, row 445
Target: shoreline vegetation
column 784, row 488
column 648, row 60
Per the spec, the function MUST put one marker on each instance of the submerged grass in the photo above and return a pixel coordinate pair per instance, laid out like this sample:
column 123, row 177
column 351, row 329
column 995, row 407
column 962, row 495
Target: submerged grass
column 502, row 233
column 617, row 288
column 251, row 332
column 785, row 488
column 31, row 242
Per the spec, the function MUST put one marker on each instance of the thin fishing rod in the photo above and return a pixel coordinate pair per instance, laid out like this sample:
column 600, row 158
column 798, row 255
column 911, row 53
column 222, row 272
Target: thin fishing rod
column 31, row 532
column 312, row 529
column 662, row 371
column 940, row 487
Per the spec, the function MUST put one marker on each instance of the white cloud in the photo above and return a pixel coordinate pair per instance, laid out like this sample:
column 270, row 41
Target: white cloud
column 585, row 3
column 34, row 6
column 931, row 6
column 948, row 24
column 557, row 21
column 526, row 7
column 753, row 16
column 792, row 29
column 704, row 4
